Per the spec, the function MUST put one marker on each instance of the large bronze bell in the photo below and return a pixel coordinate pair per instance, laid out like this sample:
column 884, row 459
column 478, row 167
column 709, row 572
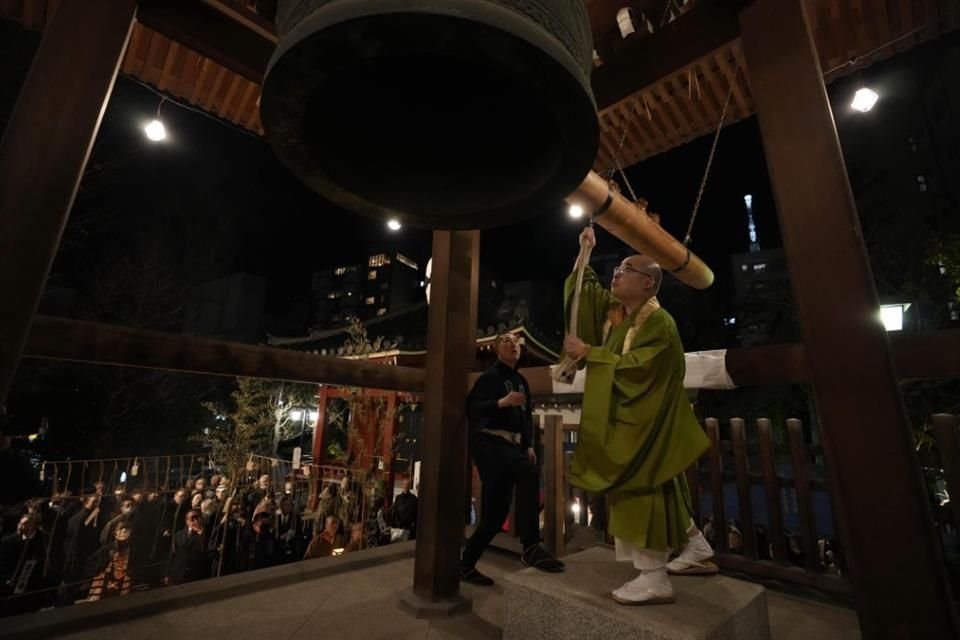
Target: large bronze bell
column 449, row 114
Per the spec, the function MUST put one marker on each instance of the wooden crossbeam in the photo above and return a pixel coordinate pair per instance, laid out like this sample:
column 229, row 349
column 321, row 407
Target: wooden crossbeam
column 78, row 341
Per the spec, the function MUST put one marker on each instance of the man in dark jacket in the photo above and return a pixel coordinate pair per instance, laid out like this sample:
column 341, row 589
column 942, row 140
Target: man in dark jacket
column 404, row 511
column 190, row 560
column 22, row 568
column 501, row 444
column 82, row 539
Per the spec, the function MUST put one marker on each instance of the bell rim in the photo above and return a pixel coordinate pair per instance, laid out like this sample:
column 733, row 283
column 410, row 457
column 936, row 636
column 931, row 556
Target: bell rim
column 487, row 14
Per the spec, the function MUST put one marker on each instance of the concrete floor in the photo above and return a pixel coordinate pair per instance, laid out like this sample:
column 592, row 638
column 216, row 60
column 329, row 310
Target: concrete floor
column 363, row 604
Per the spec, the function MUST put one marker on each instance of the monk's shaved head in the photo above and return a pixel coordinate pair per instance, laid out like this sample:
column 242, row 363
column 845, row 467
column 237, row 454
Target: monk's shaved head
column 649, row 266
column 637, row 279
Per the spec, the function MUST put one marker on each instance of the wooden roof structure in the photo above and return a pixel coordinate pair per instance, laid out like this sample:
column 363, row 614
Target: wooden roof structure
column 848, row 355
column 213, row 56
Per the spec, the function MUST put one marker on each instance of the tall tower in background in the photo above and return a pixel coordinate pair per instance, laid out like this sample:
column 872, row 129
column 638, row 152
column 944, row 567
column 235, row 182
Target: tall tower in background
column 751, row 226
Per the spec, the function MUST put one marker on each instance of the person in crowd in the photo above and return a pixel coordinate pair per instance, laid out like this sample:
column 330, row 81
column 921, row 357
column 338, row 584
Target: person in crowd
column 404, row 512
column 288, row 529
column 190, row 560
column 23, row 557
column 257, row 543
column 82, row 540
column 177, row 516
column 326, row 541
column 357, row 541
column 124, row 512
column 110, row 565
column 260, row 491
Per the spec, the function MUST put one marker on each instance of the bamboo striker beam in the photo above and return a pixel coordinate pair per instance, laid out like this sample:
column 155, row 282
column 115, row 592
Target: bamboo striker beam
column 630, row 223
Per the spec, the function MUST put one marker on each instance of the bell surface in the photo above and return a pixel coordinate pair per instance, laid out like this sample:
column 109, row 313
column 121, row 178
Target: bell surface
column 446, row 114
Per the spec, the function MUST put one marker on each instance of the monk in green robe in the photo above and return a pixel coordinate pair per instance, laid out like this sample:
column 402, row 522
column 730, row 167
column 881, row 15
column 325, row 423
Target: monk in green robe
column 638, row 432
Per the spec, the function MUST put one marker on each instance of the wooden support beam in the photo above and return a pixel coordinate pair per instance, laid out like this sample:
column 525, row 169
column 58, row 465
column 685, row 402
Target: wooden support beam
column 897, row 567
column 213, row 31
column 44, row 151
column 935, row 354
column 640, row 62
column 554, row 486
column 74, row 340
column 442, row 480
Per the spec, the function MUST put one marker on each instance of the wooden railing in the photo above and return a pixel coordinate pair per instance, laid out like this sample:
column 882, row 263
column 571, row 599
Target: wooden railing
column 746, row 460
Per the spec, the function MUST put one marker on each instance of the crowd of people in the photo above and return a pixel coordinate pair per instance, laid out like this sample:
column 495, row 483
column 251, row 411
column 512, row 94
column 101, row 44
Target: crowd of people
column 68, row 549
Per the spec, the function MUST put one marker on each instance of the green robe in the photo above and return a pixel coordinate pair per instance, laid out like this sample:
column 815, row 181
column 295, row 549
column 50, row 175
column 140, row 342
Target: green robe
column 638, row 432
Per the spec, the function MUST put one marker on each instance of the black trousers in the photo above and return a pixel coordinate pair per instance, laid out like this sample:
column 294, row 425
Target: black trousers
column 502, row 467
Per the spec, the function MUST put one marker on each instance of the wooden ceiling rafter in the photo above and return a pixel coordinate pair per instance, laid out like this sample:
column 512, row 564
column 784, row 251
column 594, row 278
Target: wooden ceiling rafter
column 212, row 54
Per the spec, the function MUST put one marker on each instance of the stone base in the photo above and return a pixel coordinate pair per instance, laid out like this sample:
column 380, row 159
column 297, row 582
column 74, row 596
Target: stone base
column 576, row 605
column 420, row 607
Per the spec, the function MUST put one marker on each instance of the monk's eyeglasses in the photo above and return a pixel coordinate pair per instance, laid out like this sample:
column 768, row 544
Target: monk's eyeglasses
column 629, row 269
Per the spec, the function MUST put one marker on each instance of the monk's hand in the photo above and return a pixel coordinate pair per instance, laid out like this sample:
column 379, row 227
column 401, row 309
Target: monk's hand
column 588, row 238
column 512, row 399
column 575, row 347
column 531, row 455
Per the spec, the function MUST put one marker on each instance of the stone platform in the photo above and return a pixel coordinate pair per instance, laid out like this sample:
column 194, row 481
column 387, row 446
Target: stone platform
column 576, row 605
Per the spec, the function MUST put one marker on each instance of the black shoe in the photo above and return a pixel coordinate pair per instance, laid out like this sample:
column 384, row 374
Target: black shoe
column 539, row 558
column 470, row 575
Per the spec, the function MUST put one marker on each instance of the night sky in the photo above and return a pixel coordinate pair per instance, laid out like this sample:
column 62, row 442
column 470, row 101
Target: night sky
column 283, row 231
column 246, row 212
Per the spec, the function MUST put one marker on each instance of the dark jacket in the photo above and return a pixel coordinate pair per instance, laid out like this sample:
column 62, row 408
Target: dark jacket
column 404, row 512
column 482, row 410
column 190, row 560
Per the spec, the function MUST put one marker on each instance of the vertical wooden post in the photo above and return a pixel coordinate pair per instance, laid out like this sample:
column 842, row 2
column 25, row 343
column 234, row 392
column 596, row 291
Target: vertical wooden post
column 768, row 462
column 716, row 485
column 554, row 493
column 436, row 582
column 741, row 470
column 896, row 565
column 45, row 150
column 801, row 486
column 948, row 443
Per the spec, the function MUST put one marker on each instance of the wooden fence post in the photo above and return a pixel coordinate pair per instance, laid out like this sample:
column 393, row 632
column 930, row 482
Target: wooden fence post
column 768, row 462
column 801, row 486
column 716, row 484
column 741, row 469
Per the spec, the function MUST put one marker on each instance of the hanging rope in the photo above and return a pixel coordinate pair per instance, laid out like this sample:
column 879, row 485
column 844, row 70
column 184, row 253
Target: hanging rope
column 567, row 369
column 616, row 160
column 713, row 150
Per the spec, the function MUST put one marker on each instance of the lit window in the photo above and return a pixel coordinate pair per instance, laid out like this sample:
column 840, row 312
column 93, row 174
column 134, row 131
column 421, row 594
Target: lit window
column 372, row 275
column 370, row 300
column 378, row 260
column 744, row 267
column 340, row 271
column 760, row 266
column 381, row 311
column 402, row 259
column 922, row 183
column 333, row 295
